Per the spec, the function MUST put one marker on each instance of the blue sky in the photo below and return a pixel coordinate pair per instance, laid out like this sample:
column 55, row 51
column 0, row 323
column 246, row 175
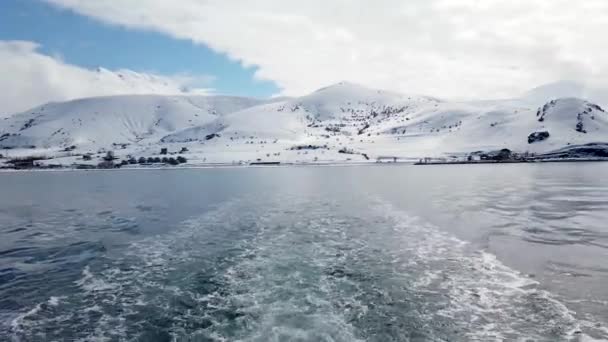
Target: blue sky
column 89, row 43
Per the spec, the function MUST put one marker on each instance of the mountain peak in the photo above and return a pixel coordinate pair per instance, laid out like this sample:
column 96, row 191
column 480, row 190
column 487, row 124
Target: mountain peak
column 342, row 85
column 556, row 90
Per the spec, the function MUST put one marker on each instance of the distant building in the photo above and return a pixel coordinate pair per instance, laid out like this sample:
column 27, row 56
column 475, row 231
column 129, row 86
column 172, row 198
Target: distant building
column 23, row 164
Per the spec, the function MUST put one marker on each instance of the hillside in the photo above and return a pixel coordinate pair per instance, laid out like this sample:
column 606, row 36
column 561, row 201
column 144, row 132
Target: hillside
column 111, row 120
column 340, row 123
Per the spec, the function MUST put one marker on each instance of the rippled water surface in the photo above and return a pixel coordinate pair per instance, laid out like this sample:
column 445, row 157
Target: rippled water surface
column 375, row 253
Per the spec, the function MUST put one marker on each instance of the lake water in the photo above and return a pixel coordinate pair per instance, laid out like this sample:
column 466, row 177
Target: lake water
column 370, row 253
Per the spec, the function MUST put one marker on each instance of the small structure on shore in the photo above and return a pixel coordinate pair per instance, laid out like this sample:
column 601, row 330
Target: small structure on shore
column 25, row 162
column 387, row 159
column 504, row 155
column 264, row 163
column 107, row 164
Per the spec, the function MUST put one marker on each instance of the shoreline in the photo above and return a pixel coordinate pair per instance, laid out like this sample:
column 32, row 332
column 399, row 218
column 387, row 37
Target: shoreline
column 328, row 164
column 211, row 166
column 535, row 161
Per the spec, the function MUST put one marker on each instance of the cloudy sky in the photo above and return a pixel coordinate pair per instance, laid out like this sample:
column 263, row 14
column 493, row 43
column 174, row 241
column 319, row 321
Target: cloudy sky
column 462, row 49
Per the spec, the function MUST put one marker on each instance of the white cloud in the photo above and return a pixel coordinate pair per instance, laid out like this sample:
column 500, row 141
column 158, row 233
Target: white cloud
column 449, row 48
column 30, row 78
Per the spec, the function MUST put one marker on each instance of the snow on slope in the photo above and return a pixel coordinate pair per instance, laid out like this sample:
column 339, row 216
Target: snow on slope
column 565, row 89
column 508, row 125
column 347, row 100
column 104, row 121
column 343, row 122
column 265, row 121
column 344, row 107
column 379, row 123
column 562, row 89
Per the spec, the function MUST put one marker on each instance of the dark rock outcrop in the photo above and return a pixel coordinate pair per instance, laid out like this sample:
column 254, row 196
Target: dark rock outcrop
column 538, row 136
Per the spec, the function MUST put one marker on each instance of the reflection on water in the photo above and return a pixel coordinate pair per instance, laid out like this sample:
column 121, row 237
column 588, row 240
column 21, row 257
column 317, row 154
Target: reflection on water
column 335, row 254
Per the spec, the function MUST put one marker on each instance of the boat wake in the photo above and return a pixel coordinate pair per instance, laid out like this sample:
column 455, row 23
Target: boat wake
column 300, row 269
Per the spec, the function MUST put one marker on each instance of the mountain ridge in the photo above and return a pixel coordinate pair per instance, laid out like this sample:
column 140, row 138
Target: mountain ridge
column 341, row 122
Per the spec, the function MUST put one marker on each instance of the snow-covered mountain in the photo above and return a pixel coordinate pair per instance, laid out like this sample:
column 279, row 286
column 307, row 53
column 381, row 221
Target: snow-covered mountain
column 342, row 122
column 111, row 120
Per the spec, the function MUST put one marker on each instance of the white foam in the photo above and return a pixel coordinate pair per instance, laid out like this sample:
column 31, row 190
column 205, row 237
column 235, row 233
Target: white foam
column 18, row 323
column 91, row 283
column 54, row 301
column 280, row 284
column 480, row 287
